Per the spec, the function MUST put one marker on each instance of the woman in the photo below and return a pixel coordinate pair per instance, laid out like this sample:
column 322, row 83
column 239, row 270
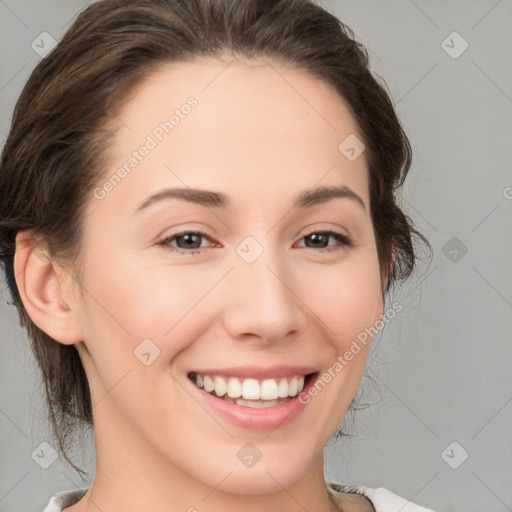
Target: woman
column 198, row 223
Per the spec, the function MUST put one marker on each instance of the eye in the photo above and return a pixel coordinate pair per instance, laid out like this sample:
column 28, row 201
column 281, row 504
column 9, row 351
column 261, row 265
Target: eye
column 188, row 242
column 318, row 240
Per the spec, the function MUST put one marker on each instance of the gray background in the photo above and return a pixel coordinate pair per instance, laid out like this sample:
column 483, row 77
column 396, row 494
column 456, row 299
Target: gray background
column 442, row 367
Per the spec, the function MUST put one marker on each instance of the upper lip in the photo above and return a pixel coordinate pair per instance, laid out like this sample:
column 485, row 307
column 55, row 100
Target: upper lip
column 246, row 372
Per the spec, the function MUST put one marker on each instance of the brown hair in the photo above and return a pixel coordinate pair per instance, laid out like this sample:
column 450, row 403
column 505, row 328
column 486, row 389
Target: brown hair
column 57, row 142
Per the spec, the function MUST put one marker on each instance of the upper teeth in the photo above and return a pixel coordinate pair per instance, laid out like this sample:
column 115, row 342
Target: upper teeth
column 251, row 389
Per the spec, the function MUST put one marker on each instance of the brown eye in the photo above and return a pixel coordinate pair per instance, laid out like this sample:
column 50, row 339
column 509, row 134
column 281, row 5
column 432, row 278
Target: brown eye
column 320, row 240
column 186, row 241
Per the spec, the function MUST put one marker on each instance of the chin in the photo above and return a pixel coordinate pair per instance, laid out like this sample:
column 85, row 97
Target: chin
column 262, row 481
column 278, row 467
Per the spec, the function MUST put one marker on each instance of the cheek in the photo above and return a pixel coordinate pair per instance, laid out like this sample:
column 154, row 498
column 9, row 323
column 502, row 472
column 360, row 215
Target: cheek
column 347, row 299
column 129, row 303
column 346, row 302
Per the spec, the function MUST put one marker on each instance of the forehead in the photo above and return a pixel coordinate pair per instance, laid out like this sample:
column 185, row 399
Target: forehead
column 255, row 124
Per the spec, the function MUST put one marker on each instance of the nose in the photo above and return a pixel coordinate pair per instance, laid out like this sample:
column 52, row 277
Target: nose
column 263, row 301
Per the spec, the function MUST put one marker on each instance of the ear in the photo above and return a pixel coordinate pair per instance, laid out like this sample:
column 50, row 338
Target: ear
column 45, row 288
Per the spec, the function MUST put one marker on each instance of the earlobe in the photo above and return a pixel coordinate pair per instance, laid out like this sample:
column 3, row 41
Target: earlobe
column 44, row 288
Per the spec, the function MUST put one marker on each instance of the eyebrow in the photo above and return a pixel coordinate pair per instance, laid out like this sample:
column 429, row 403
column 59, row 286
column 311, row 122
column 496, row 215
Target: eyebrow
column 210, row 198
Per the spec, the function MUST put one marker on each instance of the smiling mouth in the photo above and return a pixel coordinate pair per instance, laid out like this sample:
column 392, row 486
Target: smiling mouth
column 255, row 393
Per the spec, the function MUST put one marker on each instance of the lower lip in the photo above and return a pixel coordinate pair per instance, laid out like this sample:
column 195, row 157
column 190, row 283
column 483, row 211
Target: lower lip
column 267, row 418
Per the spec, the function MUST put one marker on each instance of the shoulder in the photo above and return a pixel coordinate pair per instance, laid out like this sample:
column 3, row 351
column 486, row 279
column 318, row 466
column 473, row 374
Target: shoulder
column 382, row 499
column 64, row 499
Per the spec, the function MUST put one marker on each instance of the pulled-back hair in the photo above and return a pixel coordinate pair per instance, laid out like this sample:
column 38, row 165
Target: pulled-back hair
column 58, row 139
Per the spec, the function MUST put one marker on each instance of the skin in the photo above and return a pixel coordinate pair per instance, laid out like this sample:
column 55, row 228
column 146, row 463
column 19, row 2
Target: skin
column 261, row 140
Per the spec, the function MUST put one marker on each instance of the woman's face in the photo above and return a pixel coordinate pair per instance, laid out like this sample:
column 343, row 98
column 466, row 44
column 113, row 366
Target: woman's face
column 263, row 295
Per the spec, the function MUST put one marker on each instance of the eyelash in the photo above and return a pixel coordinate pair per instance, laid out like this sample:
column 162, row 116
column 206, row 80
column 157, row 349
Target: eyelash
column 344, row 240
